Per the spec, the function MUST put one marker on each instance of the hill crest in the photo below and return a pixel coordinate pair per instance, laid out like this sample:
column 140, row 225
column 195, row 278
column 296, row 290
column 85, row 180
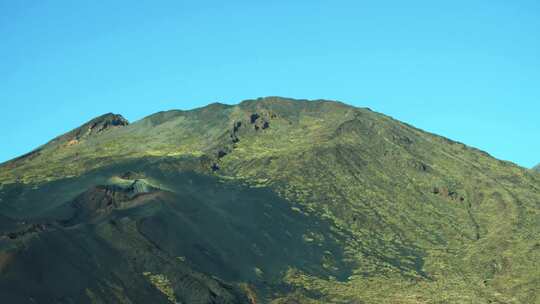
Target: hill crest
column 376, row 204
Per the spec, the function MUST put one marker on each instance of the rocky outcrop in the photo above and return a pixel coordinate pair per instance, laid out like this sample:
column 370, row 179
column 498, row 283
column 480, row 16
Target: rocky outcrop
column 27, row 230
column 253, row 122
column 92, row 128
column 448, row 193
column 102, row 200
column 261, row 121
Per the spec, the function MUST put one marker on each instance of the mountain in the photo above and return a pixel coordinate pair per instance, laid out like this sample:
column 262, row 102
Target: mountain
column 272, row 200
column 537, row 168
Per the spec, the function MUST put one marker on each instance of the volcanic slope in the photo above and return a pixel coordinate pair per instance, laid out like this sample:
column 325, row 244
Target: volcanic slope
column 272, row 200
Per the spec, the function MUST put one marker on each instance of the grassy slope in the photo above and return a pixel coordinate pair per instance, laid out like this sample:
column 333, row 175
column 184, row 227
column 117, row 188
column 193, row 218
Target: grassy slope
column 420, row 218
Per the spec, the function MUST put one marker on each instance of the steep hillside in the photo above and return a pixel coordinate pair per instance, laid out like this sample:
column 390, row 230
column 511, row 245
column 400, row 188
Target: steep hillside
column 269, row 201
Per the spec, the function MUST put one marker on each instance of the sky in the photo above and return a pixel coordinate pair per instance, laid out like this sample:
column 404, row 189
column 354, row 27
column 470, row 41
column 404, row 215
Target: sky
column 467, row 70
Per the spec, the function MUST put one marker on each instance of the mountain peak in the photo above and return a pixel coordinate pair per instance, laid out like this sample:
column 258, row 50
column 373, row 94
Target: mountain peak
column 93, row 127
column 273, row 199
column 89, row 129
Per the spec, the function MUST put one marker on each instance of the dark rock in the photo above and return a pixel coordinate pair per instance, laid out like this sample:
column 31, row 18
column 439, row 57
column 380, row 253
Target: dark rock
column 215, row 167
column 31, row 229
column 447, row 193
column 265, row 125
column 221, row 153
column 253, row 118
column 237, row 126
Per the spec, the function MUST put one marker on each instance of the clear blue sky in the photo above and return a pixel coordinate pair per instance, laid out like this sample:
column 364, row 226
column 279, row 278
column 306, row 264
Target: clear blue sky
column 468, row 70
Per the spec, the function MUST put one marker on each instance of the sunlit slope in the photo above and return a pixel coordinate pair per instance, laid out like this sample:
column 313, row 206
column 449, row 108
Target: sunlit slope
column 325, row 203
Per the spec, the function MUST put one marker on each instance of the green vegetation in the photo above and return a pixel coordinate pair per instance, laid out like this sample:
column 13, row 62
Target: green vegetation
column 163, row 284
column 273, row 201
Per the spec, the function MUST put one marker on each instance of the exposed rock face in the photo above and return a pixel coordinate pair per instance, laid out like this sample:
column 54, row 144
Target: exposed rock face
column 92, row 128
column 537, row 168
column 261, row 120
column 253, row 117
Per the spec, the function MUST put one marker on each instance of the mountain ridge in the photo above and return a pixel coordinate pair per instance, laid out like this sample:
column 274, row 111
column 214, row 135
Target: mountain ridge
column 372, row 210
column 155, row 119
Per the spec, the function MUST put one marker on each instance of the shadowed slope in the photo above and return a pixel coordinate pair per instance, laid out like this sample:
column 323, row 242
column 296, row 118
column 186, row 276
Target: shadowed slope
column 108, row 237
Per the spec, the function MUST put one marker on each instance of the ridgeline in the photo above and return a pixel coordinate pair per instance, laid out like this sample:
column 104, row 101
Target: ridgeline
column 272, row 200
